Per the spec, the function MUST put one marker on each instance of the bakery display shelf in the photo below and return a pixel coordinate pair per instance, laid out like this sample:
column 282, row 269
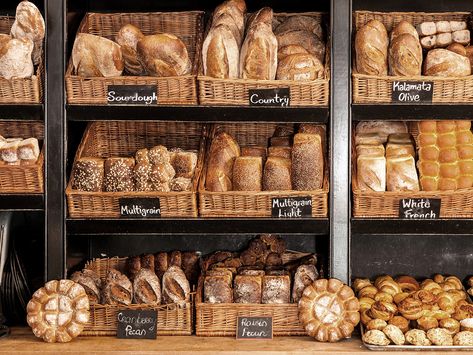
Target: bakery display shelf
column 23, row 340
column 361, row 112
column 33, row 112
column 21, row 202
column 409, row 5
column 196, row 226
column 390, row 226
column 197, row 113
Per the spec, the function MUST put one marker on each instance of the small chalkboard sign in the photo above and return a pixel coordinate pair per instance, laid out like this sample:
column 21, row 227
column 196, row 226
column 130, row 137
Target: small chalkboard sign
column 135, row 207
column 419, row 208
column 277, row 97
column 254, row 328
column 409, row 92
column 132, row 94
column 136, row 324
column 291, row 207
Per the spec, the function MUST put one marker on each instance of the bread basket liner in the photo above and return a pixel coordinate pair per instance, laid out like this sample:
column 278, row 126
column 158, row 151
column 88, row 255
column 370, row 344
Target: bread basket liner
column 214, row 91
column 23, row 179
column 124, row 138
column 172, row 319
column 251, row 203
column 215, row 320
column 372, row 89
column 383, row 204
column 21, row 90
column 176, row 90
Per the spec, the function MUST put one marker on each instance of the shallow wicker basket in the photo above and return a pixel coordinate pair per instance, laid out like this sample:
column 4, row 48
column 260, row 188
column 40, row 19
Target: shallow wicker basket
column 372, row 204
column 16, row 90
column 213, row 320
column 19, row 179
column 172, row 319
column 378, row 89
column 250, row 203
column 214, row 91
column 122, row 139
column 188, row 26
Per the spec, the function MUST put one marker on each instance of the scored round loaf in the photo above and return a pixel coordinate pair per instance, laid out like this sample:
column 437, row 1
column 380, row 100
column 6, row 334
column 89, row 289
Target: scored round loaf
column 328, row 310
column 405, row 56
column 371, row 49
column 445, row 63
column 128, row 37
column 164, row 55
column 29, row 24
column 58, row 311
column 299, row 22
column 291, row 49
column 300, row 67
column 96, row 56
column 304, row 38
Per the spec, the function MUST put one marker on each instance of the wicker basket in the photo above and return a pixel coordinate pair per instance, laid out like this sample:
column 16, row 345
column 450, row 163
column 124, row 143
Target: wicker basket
column 378, row 89
column 18, row 179
column 188, row 26
column 16, row 90
column 213, row 320
column 248, row 203
column 214, row 91
column 372, row 204
column 124, row 138
column 172, row 319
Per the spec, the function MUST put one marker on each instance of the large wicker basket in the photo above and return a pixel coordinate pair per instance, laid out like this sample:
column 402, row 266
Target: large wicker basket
column 214, row 91
column 369, row 89
column 372, row 204
column 213, row 320
column 188, row 26
column 17, row 90
column 172, row 319
column 123, row 139
column 17, row 179
column 250, row 203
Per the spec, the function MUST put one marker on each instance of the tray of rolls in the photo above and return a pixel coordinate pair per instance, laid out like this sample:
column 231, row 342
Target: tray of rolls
column 21, row 157
column 264, row 279
column 22, row 56
column 405, row 314
column 415, row 47
column 163, row 282
column 392, row 161
column 264, row 50
column 158, row 49
column 248, row 165
column 133, row 159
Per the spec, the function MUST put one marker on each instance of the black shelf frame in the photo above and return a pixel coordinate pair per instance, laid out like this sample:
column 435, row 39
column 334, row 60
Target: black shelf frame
column 22, row 202
column 196, row 113
column 341, row 229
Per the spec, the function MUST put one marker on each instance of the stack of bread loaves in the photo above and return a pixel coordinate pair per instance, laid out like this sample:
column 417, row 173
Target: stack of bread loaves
column 402, row 311
column 401, row 53
column 257, row 275
column 380, row 169
column 23, row 47
column 292, row 162
column 161, row 54
column 18, row 151
column 156, row 169
column 295, row 50
column 149, row 279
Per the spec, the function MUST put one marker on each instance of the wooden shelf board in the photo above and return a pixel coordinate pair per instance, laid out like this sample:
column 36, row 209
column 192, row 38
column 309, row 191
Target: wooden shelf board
column 22, row 340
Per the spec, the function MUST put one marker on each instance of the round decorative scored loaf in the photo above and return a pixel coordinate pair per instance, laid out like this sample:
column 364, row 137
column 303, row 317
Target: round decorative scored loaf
column 328, row 310
column 58, row 311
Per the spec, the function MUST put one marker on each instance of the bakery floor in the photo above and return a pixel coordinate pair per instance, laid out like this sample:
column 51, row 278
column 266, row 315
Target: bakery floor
column 22, row 341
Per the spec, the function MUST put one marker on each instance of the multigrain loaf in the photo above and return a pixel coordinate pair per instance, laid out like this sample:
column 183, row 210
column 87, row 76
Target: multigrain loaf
column 277, row 174
column 247, row 174
column 307, row 168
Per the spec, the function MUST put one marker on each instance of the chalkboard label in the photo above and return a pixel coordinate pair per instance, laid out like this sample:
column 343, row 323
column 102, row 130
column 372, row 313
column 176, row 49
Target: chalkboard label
column 409, row 92
column 419, row 208
column 277, row 97
column 140, row 207
column 136, row 324
column 291, row 207
column 132, row 94
column 254, row 328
